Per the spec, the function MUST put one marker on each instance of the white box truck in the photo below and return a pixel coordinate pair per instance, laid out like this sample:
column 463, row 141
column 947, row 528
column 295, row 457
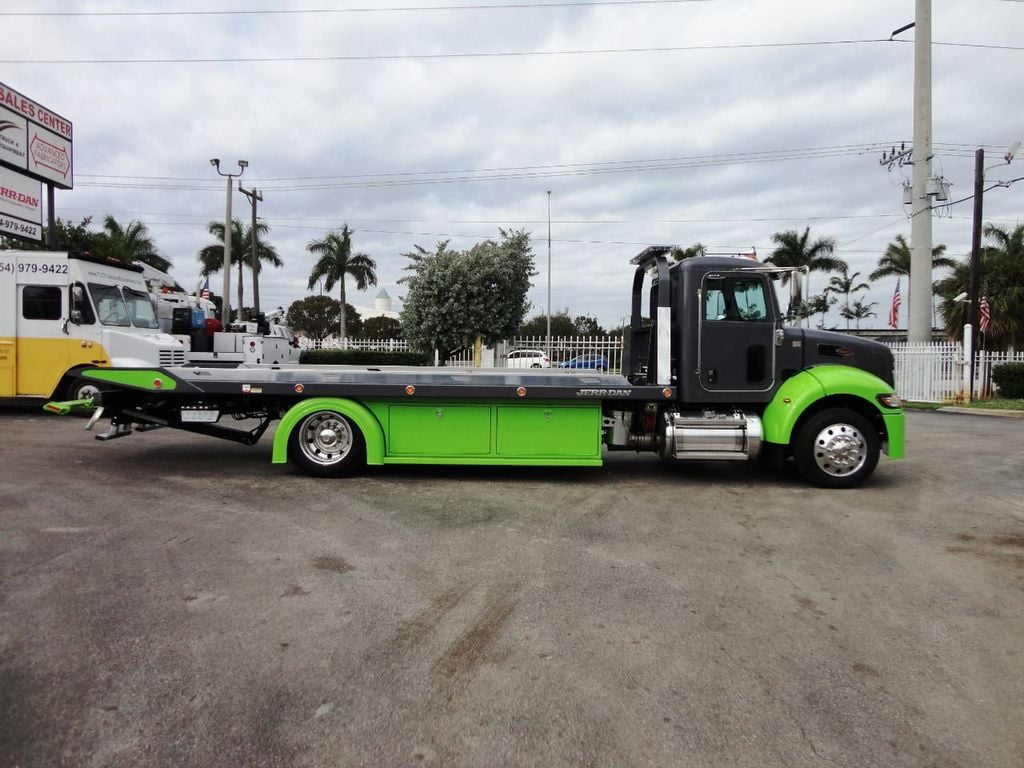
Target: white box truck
column 61, row 314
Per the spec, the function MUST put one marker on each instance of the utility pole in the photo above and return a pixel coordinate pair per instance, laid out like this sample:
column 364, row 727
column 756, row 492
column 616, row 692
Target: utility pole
column 228, row 229
column 973, row 297
column 549, row 276
column 254, row 195
column 919, row 328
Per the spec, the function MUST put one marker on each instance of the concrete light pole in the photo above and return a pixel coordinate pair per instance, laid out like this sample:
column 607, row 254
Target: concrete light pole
column 226, row 294
column 919, row 327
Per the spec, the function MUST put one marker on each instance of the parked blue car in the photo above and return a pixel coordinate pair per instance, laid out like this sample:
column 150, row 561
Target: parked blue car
column 586, row 362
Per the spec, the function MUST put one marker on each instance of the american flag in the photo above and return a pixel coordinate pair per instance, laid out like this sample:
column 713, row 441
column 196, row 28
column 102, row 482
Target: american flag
column 986, row 315
column 894, row 310
column 205, row 291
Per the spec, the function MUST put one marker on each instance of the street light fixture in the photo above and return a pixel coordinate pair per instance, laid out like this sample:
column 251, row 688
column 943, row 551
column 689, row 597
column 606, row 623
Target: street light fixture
column 226, row 293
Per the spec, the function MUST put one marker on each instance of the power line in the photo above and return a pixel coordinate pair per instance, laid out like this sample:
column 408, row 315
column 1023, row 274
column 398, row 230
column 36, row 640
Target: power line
column 443, row 56
column 393, row 9
column 305, row 184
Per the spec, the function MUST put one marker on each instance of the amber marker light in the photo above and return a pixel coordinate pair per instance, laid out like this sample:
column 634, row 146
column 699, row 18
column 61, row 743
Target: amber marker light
column 667, row 392
column 521, row 391
column 299, row 388
column 410, row 390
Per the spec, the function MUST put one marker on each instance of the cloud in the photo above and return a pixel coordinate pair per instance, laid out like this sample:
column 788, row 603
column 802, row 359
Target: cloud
column 417, row 150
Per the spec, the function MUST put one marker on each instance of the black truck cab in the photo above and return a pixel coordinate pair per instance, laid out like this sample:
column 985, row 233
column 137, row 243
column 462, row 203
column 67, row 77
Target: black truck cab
column 712, row 327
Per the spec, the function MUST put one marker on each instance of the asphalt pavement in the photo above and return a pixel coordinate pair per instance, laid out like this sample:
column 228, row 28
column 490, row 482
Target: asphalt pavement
column 168, row 599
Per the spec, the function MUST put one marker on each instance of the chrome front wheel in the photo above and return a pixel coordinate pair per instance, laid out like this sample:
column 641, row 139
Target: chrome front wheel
column 837, row 448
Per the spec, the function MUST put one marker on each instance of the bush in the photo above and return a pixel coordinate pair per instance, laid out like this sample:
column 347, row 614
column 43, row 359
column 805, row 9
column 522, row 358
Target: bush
column 362, row 357
column 1009, row 377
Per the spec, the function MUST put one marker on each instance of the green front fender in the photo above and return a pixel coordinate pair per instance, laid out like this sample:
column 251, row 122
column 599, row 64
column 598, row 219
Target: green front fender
column 356, row 412
column 805, row 389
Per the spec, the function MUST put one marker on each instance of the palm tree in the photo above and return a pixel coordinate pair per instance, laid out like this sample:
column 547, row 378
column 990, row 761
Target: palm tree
column 794, row 250
column 1001, row 280
column 212, row 256
column 858, row 311
column 844, row 285
column 337, row 260
column 896, row 259
column 132, row 243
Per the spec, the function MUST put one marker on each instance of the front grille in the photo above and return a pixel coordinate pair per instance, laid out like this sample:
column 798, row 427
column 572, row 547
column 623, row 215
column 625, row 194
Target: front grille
column 172, row 357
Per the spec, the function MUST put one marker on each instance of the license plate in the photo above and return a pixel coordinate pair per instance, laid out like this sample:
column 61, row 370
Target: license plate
column 199, row 416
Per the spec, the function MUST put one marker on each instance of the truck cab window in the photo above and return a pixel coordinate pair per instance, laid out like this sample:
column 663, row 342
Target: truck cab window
column 41, row 302
column 109, row 303
column 140, row 309
column 82, row 305
column 750, row 299
column 734, row 299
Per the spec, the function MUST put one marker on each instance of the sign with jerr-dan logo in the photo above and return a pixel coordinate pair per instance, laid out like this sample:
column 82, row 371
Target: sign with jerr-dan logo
column 21, row 205
column 35, row 140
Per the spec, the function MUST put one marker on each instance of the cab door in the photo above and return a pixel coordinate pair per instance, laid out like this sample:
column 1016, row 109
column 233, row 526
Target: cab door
column 42, row 348
column 736, row 346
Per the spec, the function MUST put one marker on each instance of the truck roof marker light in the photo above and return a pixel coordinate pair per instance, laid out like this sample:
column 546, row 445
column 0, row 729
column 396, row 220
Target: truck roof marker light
column 410, row 390
column 667, row 392
column 521, row 391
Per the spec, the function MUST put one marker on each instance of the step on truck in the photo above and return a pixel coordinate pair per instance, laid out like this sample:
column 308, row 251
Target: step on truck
column 711, row 371
column 62, row 314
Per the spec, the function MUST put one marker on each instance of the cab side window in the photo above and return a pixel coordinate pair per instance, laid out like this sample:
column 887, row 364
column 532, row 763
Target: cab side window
column 41, row 302
column 737, row 299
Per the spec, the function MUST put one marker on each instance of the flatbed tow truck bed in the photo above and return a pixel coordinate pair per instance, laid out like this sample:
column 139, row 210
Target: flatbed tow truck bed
column 396, row 415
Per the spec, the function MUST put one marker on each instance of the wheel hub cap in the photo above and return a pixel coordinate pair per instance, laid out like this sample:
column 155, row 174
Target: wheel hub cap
column 840, row 449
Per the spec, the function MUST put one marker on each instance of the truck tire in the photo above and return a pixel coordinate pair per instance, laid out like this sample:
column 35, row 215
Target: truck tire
column 837, row 448
column 80, row 389
column 327, row 444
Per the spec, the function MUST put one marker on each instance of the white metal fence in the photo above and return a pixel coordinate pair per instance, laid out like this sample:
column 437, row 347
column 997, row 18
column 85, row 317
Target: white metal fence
column 939, row 373
column 562, row 348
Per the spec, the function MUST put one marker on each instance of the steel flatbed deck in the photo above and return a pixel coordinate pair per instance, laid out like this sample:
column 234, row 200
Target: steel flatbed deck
column 305, row 381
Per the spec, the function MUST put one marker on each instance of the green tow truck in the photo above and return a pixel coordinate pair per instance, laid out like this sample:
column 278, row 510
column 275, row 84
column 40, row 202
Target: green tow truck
column 710, row 372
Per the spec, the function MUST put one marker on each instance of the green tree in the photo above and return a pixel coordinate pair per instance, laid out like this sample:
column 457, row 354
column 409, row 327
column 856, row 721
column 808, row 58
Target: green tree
column 796, row 250
column 895, row 262
column 381, row 327
column 211, row 257
column 70, row 237
column 561, row 325
column 132, row 243
column 688, row 253
column 336, row 260
column 817, row 305
column 455, row 296
column 844, row 285
column 1001, row 281
column 858, row 311
column 587, row 326
column 315, row 316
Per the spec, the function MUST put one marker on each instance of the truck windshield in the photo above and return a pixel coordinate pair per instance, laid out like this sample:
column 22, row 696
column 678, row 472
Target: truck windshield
column 109, row 303
column 140, row 307
column 113, row 308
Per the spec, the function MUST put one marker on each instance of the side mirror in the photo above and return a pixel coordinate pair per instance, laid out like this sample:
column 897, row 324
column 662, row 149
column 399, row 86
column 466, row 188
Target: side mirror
column 76, row 316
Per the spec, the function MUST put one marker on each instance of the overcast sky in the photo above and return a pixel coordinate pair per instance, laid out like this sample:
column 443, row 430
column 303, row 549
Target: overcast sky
column 718, row 121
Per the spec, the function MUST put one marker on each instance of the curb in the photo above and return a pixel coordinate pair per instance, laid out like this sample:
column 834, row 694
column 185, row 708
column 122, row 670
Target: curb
column 982, row 412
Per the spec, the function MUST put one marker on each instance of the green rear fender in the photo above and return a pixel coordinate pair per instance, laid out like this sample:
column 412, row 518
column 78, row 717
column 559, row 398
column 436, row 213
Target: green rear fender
column 809, row 388
column 356, row 412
